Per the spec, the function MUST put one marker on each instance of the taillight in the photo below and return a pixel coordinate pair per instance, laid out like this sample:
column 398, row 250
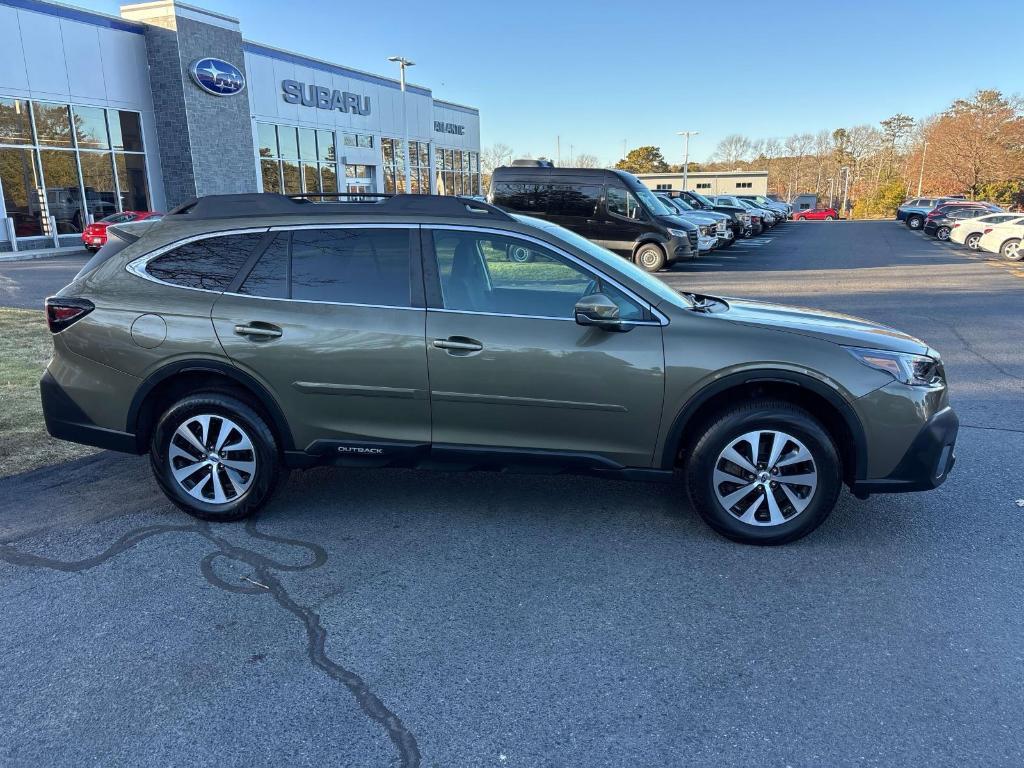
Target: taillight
column 63, row 312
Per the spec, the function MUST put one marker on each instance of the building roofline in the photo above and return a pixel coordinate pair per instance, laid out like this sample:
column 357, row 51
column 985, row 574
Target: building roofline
column 700, row 173
column 74, row 13
column 262, row 49
column 460, row 107
column 178, row 4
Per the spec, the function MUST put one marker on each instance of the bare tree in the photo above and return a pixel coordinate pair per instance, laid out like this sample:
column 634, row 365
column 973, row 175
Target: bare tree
column 584, row 160
column 495, row 156
column 734, row 148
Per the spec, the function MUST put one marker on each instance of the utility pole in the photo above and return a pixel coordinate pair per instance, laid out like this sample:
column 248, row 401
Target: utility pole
column 686, row 155
column 831, row 190
column 920, row 176
column 571, row 152
column 846, row 187
column 558, row 151
column 402, row 63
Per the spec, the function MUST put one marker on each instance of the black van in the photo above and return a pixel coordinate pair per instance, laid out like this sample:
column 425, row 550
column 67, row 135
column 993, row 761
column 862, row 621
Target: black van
column 612, row 208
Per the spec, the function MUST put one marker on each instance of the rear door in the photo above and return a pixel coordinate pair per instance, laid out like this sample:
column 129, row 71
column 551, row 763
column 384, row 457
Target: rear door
column 331, row 320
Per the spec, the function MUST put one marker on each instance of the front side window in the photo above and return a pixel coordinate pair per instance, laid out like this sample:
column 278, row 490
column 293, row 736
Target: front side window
column 496, row 274
column 622, row 202
column 351, row 266
column 210, row 264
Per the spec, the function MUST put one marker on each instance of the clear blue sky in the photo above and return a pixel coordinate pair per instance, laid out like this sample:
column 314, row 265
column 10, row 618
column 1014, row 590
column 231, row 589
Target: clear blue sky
column 597, row 73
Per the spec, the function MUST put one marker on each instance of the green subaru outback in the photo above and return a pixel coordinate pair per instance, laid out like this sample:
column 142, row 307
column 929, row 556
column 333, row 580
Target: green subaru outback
column 246, row 335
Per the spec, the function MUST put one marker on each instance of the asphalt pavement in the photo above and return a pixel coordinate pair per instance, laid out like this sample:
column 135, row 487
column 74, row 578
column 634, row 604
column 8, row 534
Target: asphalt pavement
column 396, row 617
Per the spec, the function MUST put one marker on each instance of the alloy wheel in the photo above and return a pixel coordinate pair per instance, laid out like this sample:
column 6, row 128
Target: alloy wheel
column 1012, row 251
column 943, row 233
column 212, row 459
column 972, row 242
column 766, row 477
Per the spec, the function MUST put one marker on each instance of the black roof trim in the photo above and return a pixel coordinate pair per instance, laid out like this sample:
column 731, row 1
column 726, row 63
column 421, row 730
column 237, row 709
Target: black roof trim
column 271, row 204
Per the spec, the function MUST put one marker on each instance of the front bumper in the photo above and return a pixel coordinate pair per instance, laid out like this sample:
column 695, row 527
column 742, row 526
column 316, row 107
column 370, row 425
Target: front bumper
column 927, row 462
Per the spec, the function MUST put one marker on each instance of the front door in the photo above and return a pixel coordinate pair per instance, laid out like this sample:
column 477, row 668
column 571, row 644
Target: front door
column 511, row 370
column 331, row 320
column 623, row 222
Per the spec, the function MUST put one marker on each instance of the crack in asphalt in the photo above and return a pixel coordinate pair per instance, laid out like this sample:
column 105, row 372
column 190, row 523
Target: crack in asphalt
column 264, row 568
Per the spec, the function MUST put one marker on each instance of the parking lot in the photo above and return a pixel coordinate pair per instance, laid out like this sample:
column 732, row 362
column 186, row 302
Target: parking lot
column 398, row 617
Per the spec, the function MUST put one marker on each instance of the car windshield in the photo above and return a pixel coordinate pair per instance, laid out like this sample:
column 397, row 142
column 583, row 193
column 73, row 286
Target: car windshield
column 701, row 197
column 118, row 218
column 682, row 204
column 609, row 259
column 651, row 202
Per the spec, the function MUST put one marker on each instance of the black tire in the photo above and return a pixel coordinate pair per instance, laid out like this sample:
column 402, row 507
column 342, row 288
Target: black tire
column 726, row 427
column 1011, row 250
column 519, row 254
column 650, row 257
column 915, row 222
column 264, row 480
column 972, row 241
column 942, row 233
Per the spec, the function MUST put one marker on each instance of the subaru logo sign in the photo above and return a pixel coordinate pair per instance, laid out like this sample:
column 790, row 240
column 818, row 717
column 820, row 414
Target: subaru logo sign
column 216, row 76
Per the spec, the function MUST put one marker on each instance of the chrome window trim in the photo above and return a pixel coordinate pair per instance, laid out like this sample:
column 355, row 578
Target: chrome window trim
column 661, row 320
column 137, row 266
column 316, row 301
column 531, row 317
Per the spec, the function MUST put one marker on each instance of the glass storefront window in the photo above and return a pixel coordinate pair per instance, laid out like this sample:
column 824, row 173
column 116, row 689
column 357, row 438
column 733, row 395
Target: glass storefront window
column 288, row 143
column 53, row 126
column 329, row 177
column 271, row 172
column 307, row 144
column 19, row 178
column 325, row 146
column 15, row 124
column 394, row 165
column 125, row 130
column 90, row 127
column 70, row 173
column 131, row 175
column 266, row 135
column 63, row 195
column 310, row 177
column 98, row 180
column 292, row 178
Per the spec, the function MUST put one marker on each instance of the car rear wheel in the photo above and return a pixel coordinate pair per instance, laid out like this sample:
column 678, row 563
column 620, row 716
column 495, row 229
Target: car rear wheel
column 829, row 218
column 915, row 222
column 765, row 472
column 972, row 241
column 650, row 257
column 215, row 457
column 1011, row 250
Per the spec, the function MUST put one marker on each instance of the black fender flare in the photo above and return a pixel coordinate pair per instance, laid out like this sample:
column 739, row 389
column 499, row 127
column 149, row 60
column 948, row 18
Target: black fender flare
column 269, row 403
column 741, row 378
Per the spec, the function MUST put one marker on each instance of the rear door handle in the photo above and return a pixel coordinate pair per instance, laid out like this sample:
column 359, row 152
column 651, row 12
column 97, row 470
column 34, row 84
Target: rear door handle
column 259, row 331
column 459, row 344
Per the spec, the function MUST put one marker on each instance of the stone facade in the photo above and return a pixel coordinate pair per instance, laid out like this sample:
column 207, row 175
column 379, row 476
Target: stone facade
column 205, row 140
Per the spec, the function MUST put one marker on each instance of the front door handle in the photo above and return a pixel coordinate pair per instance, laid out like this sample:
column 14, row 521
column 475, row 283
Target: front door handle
column 458, row 344
column 265, row 331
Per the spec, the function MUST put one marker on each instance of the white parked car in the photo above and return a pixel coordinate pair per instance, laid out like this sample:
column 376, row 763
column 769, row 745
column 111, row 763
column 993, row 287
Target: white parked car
column 969, row 231
column 1003, row 239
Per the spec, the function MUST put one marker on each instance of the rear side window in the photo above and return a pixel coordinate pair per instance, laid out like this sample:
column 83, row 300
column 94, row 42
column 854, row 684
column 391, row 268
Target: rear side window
column 575, row 200
column 344, row 266
column 523, row 196
column 210, row 264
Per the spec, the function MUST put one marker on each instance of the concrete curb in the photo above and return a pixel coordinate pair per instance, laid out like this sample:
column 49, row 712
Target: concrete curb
column 42, row 254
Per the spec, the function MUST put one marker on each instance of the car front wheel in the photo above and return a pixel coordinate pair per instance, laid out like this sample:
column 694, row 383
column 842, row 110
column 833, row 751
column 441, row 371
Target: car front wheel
column 1011, row 250
column 650, row 257
column 765, row 472
column 215, row 457
column 942, row 233
column 829, row 218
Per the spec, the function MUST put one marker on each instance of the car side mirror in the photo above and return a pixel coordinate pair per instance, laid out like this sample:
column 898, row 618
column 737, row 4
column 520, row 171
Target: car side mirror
column 599, row 311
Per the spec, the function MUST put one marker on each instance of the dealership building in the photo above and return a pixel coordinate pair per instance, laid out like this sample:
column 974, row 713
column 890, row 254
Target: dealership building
column 711, row 182
column 101, row 114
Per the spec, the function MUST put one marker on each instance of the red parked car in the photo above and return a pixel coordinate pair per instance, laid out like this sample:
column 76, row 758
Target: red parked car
column 817, row 214
column 95, row 235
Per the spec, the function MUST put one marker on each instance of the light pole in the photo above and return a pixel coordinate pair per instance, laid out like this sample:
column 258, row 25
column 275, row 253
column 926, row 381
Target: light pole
column 402, row 63
column 686, row 155
column 831, row 190
column 846, row 186
column 920, row 176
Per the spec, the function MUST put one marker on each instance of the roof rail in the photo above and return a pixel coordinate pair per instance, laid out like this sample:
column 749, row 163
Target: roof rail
column 272, row 204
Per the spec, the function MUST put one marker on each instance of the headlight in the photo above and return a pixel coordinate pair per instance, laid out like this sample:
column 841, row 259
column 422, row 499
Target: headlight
column 913, row 370
column 678, row 233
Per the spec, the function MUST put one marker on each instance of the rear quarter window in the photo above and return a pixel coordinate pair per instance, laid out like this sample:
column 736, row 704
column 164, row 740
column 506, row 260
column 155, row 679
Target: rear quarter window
column 209, row 264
